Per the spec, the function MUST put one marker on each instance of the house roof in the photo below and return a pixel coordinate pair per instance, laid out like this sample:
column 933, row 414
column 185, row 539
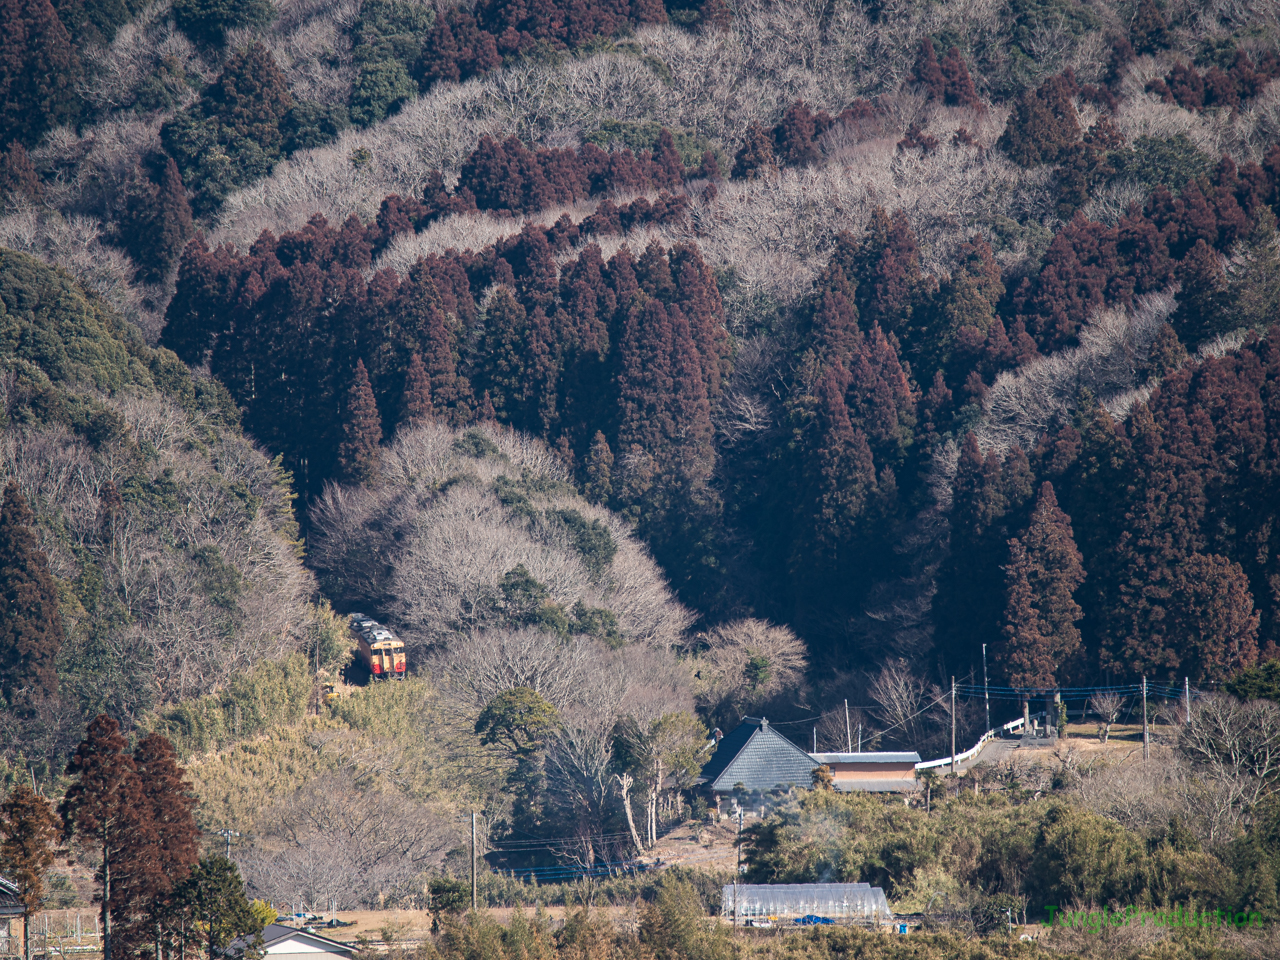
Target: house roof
column 277, row 933
column 759, row 757
column 10, row 904
column 866, row 757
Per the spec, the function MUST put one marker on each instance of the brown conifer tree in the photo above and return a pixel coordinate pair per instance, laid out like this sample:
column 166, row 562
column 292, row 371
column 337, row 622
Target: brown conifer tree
column 886, row 269
column 668, row 167
column 29, row 835
column 1042, row 123
column 842, row 474
column 794, row 136
column 958, row 89
column 698, row 297
column 1148, row 31
column 17, row 175
column 423, row 319
column 926, row 71
column 598, row 469
column 755, row 157
column 30, row 622
column 1040, row 618
column 39, row 70
column 417, row 394
column 361, row 430
column 157, row 224
column 105, row 807
column 169, row 849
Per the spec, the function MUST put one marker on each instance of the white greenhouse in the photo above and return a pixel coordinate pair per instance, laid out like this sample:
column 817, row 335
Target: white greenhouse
column 784, row 901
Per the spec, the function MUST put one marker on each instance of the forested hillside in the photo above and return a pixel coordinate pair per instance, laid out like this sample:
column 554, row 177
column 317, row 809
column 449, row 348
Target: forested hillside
column 832, row 305
column 643, row 365
column 167, row 539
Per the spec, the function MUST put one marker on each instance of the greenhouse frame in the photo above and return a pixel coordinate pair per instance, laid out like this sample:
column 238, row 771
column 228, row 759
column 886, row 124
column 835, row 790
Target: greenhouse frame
column 859, row 902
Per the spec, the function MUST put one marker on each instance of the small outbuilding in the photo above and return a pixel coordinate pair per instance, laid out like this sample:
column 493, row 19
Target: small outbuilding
column 875, row 772
column 11, row 909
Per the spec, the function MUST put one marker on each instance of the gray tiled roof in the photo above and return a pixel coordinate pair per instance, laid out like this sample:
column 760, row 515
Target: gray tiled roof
column 757, row 756
column 867, row 757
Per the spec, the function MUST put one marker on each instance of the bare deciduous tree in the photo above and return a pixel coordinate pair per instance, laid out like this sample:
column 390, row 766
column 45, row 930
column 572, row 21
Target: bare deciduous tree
column 1108, row 705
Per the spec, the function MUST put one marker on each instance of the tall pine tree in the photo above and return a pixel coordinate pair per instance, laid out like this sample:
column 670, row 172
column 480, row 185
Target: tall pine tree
column 1041, row 613
column 39, row 70
column 105, row 807
column 167, row 851
column 29, row 834
column 30, row 623
column 417, row 394
column 361, row 430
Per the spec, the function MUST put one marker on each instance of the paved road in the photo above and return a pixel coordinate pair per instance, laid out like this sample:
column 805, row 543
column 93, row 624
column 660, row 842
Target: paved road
column 993, row 751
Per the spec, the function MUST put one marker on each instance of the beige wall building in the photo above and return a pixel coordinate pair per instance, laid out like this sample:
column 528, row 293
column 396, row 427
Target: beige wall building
column 876, row 772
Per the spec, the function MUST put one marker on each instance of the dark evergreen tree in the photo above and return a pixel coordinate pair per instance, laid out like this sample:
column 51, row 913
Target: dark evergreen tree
column 157, row 224
column 1203, row 306
column 18, row 177
column 207, row 21
column 39, row 71
column 421, row 314
column 1044, row 572
column 598, row 470
column 842, row 474
column 755, row 157
column 104, row 806
column 361, row 431
column 213, row 896
column 890, row 286
column 417, row 394
column 30, row 622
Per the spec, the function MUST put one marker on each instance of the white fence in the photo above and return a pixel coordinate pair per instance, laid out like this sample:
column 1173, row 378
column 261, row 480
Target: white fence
column 1011, row 727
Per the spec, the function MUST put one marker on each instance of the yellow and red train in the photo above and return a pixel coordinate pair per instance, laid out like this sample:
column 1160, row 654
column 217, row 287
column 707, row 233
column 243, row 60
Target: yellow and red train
column 381, row 652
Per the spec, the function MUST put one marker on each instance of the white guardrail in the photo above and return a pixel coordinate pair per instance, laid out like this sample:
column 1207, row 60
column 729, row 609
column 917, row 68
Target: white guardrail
column 1011, row 726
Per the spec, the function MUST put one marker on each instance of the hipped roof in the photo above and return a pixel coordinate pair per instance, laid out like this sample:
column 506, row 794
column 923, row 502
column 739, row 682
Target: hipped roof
column 759, row 757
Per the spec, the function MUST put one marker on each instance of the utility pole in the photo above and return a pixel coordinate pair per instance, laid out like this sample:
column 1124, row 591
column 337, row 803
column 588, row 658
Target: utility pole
column 227, row 833
column 848, row 735
column 1186, row 685
column 473, row 861
column 1146, row 733
column 737, row 872
column 986, row 690
column 953, row 726
column 815, row 739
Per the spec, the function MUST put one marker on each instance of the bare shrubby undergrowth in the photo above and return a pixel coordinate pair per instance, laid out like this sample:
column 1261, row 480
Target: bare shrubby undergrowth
column 139, row 47
column 309, row 40
column 338, row 838
column 427, row 546
column 742, row 664
column 1114, row 345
